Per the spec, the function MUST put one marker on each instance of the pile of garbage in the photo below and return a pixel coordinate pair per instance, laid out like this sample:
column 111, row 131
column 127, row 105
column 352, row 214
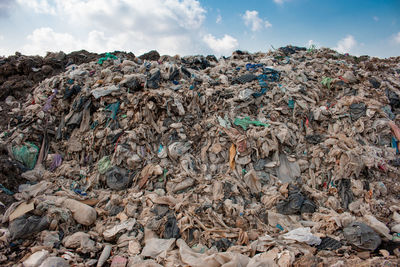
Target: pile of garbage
column 284, row 158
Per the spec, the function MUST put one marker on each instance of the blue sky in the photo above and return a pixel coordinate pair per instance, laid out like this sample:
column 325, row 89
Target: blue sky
column 199, row 27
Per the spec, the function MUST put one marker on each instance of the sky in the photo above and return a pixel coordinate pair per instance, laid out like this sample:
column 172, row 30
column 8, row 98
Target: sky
column 189, row 27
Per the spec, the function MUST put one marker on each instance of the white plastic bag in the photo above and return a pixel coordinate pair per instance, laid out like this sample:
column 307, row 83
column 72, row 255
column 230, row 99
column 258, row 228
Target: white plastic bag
column 303, row 235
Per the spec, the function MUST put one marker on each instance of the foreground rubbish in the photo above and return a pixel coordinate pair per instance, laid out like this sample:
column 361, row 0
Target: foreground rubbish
column 284, row 158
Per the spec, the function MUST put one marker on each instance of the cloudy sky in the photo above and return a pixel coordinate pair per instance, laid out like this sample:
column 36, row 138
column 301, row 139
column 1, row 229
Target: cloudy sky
column 184, row 27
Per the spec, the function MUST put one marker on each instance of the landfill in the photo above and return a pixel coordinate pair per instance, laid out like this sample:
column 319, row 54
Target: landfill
column 283, row 158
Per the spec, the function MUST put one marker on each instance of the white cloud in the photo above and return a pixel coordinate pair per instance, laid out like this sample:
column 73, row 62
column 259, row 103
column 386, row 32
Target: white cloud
column 280, row 2
column 375, row 18
column 252, row 20
column 267, row 24
column 169, row 26
column 5, row 52
column 397, row 38
column 346, row 44
column 155, row 15
column 38, row 6
column 219, row 19
column 45, row 39
column 3, row 49
column 225, row 45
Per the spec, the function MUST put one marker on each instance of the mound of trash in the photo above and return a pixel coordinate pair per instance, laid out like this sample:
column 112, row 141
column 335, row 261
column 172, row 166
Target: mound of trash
column 285, row 158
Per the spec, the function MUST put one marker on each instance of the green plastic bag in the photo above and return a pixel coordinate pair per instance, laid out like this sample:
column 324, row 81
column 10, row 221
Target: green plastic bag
column 104, row 164
column 26, row 154
column 108, row 56
column 326, row 81
column 244, row 123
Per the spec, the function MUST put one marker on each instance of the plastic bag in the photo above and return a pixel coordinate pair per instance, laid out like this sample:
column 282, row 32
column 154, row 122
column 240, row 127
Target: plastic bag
column 79, row 240
column 36, row 258
column 26, row 154
column 245, row 94
column 54, row 262
column 326, row 81
column 118, row 178
column 362, row 236
column 103, row 91
column 295, row 203
column 177, row 149
column 303, row 235
column 253, row 181
column 357, row 110
column 110, row 233
column 156, row 247
column 153, row 81
column 393, row 98
column 25, row 226
column 287, row 171
column 245, row 122
column 171, row 229
column 114, row 107
column 82, row 213
column 195, row 259
column 106, row 57
column 104, row 164
column 56, row 162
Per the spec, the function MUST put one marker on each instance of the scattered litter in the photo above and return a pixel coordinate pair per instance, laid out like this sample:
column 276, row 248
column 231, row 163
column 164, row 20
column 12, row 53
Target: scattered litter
column 284, row 158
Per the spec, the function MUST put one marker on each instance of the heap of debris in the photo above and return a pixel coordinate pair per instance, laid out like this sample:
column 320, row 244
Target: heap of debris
column 284, row 158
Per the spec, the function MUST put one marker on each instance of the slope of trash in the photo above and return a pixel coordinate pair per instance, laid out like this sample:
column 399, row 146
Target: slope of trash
column 285, row 158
